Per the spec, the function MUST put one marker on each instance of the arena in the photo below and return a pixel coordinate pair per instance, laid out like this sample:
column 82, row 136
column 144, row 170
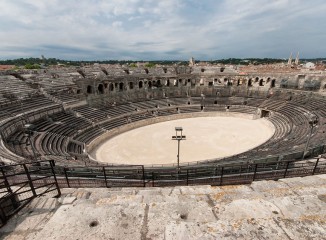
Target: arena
column 64, row 114
column 207, row 138
column 66, row 131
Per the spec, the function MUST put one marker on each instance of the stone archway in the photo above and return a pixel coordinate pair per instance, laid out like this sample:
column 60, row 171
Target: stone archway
column 121, row 85
column 100, row 89
column 90, row 89
column 273, row 83
column 111, row 87
column 140, row 84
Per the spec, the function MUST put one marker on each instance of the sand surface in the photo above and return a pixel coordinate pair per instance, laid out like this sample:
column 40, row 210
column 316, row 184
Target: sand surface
column 206, row 138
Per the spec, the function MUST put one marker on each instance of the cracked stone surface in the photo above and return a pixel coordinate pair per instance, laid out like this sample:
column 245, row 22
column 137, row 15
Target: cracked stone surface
column 293, row 208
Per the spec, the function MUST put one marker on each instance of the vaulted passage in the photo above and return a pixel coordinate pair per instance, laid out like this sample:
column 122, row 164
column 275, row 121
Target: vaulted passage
column 89, row 89
column 111, row 87
column 121, row 86
column 100, row 88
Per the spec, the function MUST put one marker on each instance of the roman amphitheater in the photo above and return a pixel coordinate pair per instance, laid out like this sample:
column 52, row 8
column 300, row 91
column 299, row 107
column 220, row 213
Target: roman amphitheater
column 251, row 138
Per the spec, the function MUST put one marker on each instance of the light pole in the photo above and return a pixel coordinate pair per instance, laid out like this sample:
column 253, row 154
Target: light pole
column 179, row 137
column 313, row 122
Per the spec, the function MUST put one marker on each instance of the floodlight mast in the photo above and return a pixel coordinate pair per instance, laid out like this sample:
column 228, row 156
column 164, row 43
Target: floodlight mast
column 179, row 137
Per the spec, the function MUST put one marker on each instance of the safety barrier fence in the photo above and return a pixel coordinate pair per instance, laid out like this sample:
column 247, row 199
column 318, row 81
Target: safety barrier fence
column 139, row 176
column 20, row 183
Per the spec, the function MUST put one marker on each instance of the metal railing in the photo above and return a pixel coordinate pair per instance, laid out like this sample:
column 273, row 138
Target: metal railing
column 20, row 183
column 141, row 176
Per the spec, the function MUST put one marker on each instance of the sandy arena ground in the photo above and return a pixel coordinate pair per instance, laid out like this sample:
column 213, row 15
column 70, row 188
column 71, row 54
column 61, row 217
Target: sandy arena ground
column 207, row 138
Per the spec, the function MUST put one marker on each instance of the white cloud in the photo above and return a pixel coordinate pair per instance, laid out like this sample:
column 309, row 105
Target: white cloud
column 117, row 24
column 150, row 29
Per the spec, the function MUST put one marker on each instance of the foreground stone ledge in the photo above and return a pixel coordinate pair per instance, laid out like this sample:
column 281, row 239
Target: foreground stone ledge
column 293, row 208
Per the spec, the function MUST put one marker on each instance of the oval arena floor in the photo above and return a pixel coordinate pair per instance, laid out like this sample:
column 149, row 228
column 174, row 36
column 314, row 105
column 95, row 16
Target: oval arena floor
column 206, row 138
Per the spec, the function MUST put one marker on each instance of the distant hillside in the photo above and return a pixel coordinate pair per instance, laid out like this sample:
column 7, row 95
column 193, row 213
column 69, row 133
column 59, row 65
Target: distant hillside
column 36, row 62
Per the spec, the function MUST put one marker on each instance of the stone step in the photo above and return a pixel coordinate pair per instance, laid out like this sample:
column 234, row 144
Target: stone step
column 168, row 191
column 43, row 203
column 80, row 194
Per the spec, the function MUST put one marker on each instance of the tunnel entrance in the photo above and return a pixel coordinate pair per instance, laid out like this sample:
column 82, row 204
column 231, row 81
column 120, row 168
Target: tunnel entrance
column 89, row 89
column 100, row 88
column 121, row 86
column 264, row 113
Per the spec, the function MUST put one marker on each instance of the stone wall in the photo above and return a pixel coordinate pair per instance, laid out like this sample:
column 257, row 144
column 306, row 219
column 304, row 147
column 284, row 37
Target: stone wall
column 133, row 79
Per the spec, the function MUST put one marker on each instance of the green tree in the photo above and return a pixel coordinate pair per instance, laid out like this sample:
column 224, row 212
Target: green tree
column 32, row 66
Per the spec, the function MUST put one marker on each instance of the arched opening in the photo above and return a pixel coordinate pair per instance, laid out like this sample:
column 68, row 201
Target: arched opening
column 111, row 87
column 273, row 83
column 222, row 69
column 146, row 70
column 168, row 82
column 202, row 70
column 100, row 89
column 165, row 70
column 158, row 83
column 127, row 71
column 250, row 82
column 215, row 102
column 89, row 89
column 175, row 82
column 150, row 84
column 140, row 84
column 105, row 85
column 256, row 79
column 121, row 86
column 261, row 82
column 78, row 91
column 131, row 85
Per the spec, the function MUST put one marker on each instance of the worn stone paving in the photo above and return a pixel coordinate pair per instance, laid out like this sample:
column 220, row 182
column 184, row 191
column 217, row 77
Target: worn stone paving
column 293, row 208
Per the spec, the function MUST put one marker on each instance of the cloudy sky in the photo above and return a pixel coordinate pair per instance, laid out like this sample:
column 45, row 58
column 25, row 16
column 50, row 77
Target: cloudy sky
column 162, row 29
